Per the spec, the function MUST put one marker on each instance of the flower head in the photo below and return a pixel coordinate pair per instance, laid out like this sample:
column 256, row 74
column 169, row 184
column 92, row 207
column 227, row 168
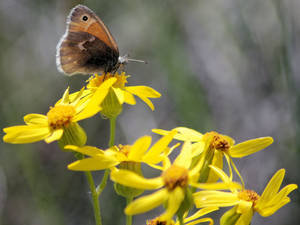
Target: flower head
column 139, row 152
column 61, row 120
column 120, row 93
column 173, row 185
column 213, row 146
column 246, row 202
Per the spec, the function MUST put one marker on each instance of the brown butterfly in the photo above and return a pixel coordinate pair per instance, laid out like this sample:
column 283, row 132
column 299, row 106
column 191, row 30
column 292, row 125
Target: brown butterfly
column 87, row 46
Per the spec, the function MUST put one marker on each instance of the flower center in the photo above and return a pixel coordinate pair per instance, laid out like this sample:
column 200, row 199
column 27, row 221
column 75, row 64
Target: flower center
column 218, row 142
column 60, row 116
column 249, row 196
column 157, row 221
column 96, row 80
column 175, row 176
column 125, row 149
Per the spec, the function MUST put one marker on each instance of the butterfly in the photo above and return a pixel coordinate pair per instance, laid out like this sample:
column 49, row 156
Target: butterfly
column 87, row 46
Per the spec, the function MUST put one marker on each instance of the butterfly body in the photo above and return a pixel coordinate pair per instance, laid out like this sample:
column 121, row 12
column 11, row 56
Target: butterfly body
column 87, row 46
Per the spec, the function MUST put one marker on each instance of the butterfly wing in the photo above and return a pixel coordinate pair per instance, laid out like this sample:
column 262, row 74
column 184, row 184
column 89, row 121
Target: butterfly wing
column 87, row 46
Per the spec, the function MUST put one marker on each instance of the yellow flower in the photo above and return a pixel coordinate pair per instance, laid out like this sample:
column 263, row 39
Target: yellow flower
column 139, row 152
column 60, row 120
column 214, row 146
column 191, row 220
column 120, row 93
column 246, row 202
column 174, row 182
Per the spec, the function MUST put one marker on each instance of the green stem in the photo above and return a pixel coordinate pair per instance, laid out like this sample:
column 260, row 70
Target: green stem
column 112, row 131
column 95, row 200
column 129, row 217
column 102, row 185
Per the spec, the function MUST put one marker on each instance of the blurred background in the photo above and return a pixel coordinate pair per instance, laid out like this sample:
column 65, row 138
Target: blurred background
column 232, row 66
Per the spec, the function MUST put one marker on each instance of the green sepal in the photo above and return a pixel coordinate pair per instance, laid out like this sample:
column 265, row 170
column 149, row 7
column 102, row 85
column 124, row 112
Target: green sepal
column 73, row 135
column 125, row 191
column 111, row 106
column 230, row 217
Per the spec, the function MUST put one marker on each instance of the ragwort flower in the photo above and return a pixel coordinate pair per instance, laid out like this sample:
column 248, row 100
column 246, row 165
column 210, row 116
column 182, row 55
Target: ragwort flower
column 174, row 183
column 246, row 202
column 120, row 93
column 213, row 146
column 139, row 152
column 61, row 120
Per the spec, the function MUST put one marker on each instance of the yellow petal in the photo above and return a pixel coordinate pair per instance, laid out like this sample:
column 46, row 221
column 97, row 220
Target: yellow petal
column 25, row 134
column 229, row 162
column 147, row 203
column 279, row 200
column 99, row 162
column 152, row 155
column 144, row 92
column 245, row 218
column 268, row 211
column 131, row 179
column 86, row 150
column 87, row 112
column 197, row 148
column 284, row 192
column 200, row 213
column 203, row 220
column 120, row 94
column 129, row 98
column 175, row 199
column 215, row 199
column 272, row 188
column 217, row 186
column 244, row 207
column 65, row 99
column 236, row 170
column 217, row 162
column 138, row 149
column 221, row 174
column 93, row 106
column 249, row 147
column 183, row 134
column 184, row 159
column 190, row 134
column 56, row 135
column 36, row 119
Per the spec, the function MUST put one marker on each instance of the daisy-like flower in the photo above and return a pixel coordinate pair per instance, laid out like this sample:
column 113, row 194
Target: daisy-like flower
column 60, row 123
column 174, row 183
column 214, row 146
column 191, row 220
column 120, row 93
column 246, row 202
column 139, row 152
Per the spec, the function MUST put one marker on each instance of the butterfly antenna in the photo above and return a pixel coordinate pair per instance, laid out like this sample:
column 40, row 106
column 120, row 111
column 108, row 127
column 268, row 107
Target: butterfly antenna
column 137, row 60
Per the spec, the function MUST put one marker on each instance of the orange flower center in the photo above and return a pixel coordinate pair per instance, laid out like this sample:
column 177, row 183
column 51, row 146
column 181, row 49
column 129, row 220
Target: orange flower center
column 125, row 149
column 175, row 176
column 60, row 116
column 218, row 142
column 96, row 80
column 249, row 196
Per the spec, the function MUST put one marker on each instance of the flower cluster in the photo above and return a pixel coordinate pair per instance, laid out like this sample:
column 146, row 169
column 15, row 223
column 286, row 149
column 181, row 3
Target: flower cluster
column 195, row 178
